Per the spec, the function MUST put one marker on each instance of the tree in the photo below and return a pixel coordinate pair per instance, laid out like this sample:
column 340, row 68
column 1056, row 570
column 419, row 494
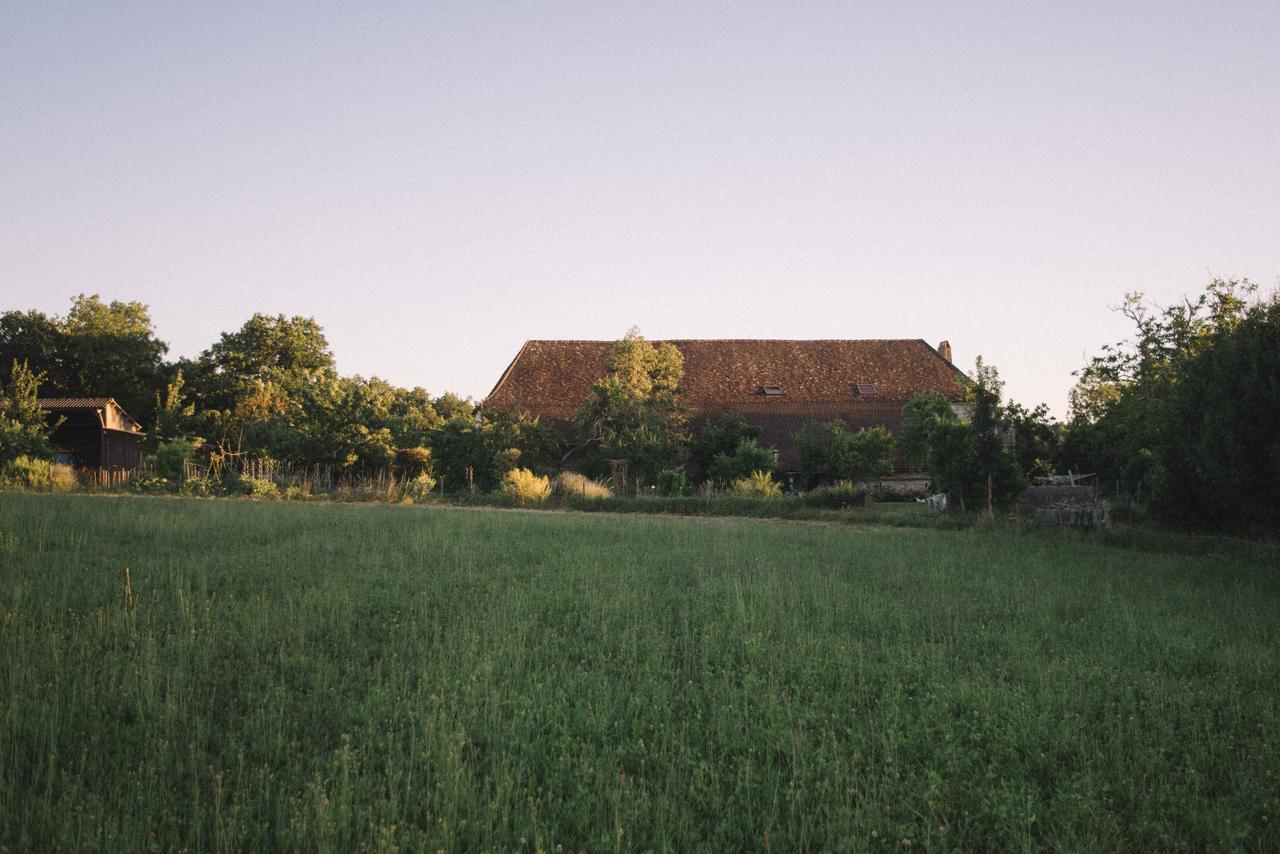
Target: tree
column 1118, row 407
column 480, row 450
column 112, row 351
column 24, row 427
column 863, row 455
column 634, row 411
column 997, row 468
column 98, row 350
column 1037, row 439
column 720, row 437
column 1216, row 457
column 812, row 443
column 747, row 458
column 174, row 414
column 919, row 416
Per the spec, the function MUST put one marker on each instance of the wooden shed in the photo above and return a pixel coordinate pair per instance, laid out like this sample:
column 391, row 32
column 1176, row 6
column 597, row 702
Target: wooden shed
column 94, row 433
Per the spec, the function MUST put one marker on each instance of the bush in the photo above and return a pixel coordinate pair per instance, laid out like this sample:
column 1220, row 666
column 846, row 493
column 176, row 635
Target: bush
column 258, row 487
column 839, row 496
column 525, row 486
column 170, row 458
column 199, row 487
column 420, row 488
column 673, row 482
column 27, row 472
column 759, row 484
column 747, row 459
column 570, row 483
column 150, row 484
column 411, row 463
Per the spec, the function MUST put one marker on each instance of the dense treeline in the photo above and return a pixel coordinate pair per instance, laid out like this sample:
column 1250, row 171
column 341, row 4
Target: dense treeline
column 1181, row 418
column 1185, row 415
column 267, row 391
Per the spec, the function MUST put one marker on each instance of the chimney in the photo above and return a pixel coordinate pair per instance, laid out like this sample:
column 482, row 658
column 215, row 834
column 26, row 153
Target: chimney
column 944, row 348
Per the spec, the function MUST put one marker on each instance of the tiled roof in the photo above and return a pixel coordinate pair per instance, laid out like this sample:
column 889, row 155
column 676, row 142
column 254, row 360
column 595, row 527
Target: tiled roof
column 553, row 378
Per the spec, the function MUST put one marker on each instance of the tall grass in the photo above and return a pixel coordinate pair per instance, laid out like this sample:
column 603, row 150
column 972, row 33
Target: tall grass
column 337, row 677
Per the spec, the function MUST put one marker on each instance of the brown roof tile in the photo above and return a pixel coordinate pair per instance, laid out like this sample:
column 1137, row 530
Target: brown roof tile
column 552, row 378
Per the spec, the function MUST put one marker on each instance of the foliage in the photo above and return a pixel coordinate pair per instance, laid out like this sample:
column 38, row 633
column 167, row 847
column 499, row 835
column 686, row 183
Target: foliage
column 200, row 487
column 721, row 437
column 170, row 458
column 39, row 474
column 995, row 461
column 24, row 426
column 863, row 455
column 919, row 416
column 98, row 350
column 1218, row 451
column 1037, row 439
column 489, row 444
column 147, row 483
column 257, row 487
column 672, row 482
column 746, row 458
column 579, row 485
column 759, row 483
column 838, row 496
column 175, row 415
column 812, row 444
column 411, row 462
column 1118, row 407
column 634, row 411
column 525, row 486
column 420, row 488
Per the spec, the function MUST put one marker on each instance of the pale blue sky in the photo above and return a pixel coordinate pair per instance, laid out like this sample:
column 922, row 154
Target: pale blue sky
column 437, row 183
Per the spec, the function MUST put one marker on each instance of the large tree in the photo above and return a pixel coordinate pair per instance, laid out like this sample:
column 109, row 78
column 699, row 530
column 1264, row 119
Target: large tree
column 99, row 349
column 634, row 411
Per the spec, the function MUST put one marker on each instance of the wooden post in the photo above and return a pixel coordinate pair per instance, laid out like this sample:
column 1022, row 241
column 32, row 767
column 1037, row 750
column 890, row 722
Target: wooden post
column 990, row 514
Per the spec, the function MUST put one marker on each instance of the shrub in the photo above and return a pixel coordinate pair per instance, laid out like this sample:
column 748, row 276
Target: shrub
column 747, row 459
column 525, row 486
column 420, row 487
column 759, row 484
column 258, row 487
column 150, row 484
column 27, row 472
column 839, row 496
column 170, row 458
column 410, row 463
column 672, row 482
column 199, row 487
column 570, row 483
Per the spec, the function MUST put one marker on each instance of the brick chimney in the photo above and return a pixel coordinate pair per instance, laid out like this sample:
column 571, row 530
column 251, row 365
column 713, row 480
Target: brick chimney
column 944, row 348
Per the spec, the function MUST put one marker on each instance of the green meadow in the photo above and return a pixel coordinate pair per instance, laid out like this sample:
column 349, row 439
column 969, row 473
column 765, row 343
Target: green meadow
column 214, row 675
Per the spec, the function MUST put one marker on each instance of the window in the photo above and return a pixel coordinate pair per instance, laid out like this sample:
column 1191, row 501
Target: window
column 864, row 389
column 771, row 390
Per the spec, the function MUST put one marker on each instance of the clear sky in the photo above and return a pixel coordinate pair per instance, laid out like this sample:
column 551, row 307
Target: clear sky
column 437, row 183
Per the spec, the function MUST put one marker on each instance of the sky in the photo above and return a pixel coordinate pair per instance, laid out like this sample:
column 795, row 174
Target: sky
column 436, row 183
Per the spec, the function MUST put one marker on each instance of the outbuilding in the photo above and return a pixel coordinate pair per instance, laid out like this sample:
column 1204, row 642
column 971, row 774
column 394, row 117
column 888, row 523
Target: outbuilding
column 94, row 433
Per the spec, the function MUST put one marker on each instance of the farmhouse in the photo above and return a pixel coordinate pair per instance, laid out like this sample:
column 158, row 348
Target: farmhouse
column 776, row 385
column 95, row 433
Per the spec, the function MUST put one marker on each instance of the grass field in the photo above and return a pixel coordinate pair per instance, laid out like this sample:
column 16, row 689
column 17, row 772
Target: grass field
column 335, row 677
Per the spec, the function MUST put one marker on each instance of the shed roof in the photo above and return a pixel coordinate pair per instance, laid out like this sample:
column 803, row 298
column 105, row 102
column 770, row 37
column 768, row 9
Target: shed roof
column 116, row 418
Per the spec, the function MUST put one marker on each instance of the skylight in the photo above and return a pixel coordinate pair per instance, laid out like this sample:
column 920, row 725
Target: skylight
column 864, row 389
column 771, row 390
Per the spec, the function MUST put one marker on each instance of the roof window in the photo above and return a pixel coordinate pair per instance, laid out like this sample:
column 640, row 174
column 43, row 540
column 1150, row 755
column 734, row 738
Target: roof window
column 864, row 389
column 770, row 390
